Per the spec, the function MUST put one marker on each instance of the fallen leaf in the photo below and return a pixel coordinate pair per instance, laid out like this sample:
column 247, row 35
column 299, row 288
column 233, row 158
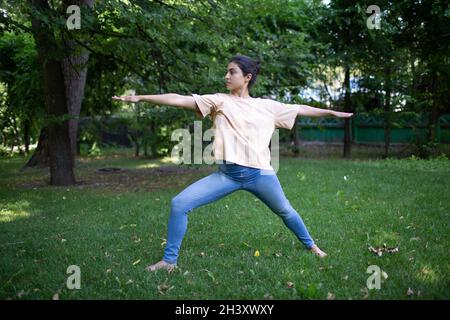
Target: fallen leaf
column 210, row 274
column 56, row 296
column 290, row 284
column 136, row 262
column 366, row 293
column 379, row 250
column 164, row 287
column 21, row 293
column 331, row 296
column 135, row 238
column 425, row 271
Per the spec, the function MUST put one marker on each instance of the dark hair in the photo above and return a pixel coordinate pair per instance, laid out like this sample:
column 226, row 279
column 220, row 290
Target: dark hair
column 247, row 65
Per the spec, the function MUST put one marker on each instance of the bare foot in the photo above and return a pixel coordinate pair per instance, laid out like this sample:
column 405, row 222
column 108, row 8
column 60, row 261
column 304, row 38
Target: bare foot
column 316, row 250
column 161, row 265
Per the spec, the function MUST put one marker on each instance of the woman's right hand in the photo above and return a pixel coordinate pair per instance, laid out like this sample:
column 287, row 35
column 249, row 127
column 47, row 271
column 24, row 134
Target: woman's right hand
column 126, row 98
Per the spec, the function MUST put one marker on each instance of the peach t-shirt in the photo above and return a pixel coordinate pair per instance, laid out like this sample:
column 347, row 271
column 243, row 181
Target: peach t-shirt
column 243, row 127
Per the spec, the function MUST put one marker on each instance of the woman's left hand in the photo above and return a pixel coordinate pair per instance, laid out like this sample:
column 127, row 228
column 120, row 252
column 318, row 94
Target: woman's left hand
column 342, row 114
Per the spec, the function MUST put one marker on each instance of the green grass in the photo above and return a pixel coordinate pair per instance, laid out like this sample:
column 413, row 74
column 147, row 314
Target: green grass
column 113, row 233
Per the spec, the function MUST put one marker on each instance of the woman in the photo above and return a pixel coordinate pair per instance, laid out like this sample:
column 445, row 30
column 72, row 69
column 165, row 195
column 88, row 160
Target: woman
column 243, row 128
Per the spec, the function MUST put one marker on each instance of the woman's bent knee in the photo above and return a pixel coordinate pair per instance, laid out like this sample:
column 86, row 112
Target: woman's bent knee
column 180, row 205
column 285, row 211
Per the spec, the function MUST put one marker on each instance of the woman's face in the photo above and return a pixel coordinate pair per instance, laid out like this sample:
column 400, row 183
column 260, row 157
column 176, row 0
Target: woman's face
column 234, row 78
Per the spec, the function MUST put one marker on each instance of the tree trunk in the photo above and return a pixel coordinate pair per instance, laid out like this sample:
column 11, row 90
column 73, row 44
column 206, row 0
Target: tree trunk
column 41, row 156
column 136, row 150
column 16, row 130
column 434, row 117
column 61, row 157
column 75, row 70
column 347, row 108
column 387, row 113
column 26, row 135
column 133, row 135
column 74, row 83
column 152, row 142
column 414, row 84
column 145, row 149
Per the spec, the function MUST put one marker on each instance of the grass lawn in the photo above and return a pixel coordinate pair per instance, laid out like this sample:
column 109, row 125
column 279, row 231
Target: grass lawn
column 113, row 224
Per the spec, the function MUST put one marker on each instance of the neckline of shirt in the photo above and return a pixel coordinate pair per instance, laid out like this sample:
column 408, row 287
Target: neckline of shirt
column 251, row 98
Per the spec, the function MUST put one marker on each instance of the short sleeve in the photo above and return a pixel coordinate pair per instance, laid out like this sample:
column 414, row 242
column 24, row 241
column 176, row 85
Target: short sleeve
column 207, row 104
column 285, row 114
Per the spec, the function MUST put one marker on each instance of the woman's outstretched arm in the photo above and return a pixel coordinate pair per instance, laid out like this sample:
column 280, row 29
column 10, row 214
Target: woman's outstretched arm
column 169, row 99
column 308, row 111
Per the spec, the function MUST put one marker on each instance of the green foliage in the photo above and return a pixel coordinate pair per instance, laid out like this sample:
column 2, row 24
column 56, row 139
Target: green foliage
column 183, row 47
column 21, row 101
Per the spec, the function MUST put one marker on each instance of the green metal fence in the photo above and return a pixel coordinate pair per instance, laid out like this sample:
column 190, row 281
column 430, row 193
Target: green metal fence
column 406, row 127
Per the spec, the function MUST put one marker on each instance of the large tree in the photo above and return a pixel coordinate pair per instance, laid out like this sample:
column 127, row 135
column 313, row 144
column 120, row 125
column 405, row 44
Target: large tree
column 63, row 83
column 73, row 64
column 343, row 24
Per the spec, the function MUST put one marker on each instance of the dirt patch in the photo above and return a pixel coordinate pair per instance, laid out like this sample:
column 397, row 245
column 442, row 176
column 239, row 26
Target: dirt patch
column 128, row 180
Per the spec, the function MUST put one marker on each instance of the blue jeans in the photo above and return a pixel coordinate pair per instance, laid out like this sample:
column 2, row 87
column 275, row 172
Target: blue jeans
column 228, row 178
